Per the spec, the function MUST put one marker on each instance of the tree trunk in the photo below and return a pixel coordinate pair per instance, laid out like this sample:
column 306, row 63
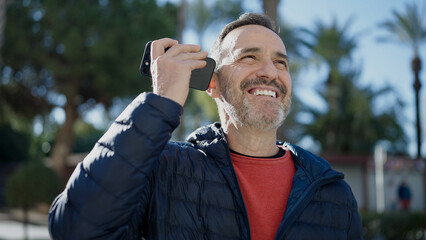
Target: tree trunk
column 180, row 131
column 3, row 7
column 270, row 8
column 332, row 99
column 181, row 21
column 416, row 66
column 64, row 140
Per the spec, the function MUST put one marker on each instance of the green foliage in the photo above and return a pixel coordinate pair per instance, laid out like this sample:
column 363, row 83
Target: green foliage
column 201, row 15
column 200, row 109
column 394, row 225
column 14, row 145
column 330, row 44
column 350, row 124
column 409, row 28
column 29, row 106
column 292, row 130
column 76, row 54
column 85, row 50
column 86, row 137
column 293, row 42
column 30, row 184
column 406, row 27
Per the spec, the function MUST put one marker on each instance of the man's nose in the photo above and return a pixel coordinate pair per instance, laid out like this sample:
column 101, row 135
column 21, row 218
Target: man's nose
column 267, row 70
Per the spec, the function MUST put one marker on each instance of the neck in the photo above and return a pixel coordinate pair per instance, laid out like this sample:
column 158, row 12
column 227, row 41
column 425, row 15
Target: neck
column 251, row 142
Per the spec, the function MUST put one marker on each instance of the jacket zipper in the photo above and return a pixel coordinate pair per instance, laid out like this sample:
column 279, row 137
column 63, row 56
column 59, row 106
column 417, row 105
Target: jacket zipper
column 302, row 203
column 240, row 195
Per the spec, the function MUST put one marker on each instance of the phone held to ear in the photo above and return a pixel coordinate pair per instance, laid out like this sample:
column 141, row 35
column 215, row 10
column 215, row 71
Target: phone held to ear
column 200, row 78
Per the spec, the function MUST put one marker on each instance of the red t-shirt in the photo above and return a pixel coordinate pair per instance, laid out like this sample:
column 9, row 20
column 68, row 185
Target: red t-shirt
column 265, row 184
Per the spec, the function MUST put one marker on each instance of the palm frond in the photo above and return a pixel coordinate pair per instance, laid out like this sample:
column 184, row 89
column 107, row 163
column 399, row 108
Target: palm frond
column 406, row 27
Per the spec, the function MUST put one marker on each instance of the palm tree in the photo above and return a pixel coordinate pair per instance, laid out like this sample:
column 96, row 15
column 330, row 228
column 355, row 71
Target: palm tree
column 409, row 28
column 270, row 8
column 350, row 125
column 355, row 126
column 331, row 45
column 201, row 15
column 3, row 18
column 2, row 21
column 292, row 130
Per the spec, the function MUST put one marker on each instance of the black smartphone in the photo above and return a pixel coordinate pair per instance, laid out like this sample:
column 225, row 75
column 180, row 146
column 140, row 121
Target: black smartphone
column 200, row 78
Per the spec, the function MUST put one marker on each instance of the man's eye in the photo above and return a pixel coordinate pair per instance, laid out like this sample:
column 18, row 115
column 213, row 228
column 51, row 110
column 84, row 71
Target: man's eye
column 249, row 57
column 283, row 64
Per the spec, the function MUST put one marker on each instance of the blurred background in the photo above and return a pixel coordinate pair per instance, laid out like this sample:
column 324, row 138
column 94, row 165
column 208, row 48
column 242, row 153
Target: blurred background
column 68, row 68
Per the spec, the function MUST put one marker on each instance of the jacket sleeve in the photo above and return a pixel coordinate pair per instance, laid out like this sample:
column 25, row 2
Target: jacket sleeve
column 355, row 225
column 107, row 195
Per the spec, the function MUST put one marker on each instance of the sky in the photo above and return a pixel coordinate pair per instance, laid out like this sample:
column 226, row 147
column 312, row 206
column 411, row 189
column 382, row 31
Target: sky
column 381, row 64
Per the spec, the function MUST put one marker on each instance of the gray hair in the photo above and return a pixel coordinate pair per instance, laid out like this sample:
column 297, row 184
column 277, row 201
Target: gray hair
column 245, row 19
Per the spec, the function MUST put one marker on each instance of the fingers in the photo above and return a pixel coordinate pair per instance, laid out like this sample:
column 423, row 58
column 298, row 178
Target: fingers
column 183, row 48
column 192, row 56
column 171, row 70
column 158, row 47
column 181, row 51
column 195, row 64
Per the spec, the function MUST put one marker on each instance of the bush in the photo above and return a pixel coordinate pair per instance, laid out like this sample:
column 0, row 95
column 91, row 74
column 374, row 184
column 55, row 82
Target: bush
column 14, row 145
column 394, row 225
column 30, row 184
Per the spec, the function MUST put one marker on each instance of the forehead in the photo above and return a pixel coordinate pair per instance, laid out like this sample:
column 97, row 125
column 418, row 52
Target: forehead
column 250, row 36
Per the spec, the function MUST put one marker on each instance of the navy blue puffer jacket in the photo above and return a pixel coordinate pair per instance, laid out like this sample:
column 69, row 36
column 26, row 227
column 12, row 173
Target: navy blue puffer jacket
column 136, row 184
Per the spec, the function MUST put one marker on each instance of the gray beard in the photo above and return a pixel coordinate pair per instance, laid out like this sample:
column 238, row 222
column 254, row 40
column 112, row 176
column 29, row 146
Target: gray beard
column 245, row 114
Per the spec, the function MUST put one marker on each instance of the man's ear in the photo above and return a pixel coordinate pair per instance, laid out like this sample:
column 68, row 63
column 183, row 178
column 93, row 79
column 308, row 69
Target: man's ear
column 213, row 91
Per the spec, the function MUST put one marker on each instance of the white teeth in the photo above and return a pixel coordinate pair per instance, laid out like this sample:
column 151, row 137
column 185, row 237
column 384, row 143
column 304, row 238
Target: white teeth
column 268, row 93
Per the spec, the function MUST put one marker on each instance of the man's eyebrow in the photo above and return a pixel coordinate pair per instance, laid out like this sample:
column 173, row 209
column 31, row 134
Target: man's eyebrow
column 253, row 49
column 282, row 55
column 256, row 49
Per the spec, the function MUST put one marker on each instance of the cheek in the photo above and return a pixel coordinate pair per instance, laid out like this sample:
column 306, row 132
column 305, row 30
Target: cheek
column 286, row 80
column 241, row 73
column 228, row 76
column 233, row 71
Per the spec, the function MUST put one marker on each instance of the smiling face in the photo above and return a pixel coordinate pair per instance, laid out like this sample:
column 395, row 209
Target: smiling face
column 254, row 82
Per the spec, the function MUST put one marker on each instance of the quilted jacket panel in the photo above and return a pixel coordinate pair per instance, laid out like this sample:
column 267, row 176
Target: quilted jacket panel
column 137, row 184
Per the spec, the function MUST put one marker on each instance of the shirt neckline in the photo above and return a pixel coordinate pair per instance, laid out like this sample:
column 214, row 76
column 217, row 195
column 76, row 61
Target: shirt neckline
column 281, row 153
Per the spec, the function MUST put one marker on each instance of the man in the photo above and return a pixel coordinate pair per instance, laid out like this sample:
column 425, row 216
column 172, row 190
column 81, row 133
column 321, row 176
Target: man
column 229, row 180
column 404, row 195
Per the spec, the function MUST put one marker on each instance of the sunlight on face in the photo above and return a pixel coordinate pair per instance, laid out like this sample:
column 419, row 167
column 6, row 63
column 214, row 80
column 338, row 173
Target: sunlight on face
column 255, row 84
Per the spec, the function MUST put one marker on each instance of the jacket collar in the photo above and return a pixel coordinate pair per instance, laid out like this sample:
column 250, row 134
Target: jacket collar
column 212, row 140
column 313, row 166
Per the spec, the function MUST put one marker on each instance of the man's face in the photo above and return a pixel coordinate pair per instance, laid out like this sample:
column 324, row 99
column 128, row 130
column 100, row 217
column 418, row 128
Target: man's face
column 254, row 81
